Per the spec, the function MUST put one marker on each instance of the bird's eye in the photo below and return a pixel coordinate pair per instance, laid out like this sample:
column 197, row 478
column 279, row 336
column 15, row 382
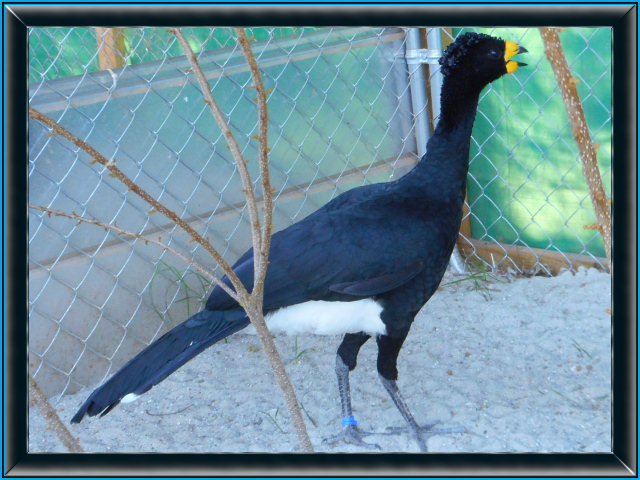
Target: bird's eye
column 494, row 53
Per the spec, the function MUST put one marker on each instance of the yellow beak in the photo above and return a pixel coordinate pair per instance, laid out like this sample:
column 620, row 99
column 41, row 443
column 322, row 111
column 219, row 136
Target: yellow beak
column 511, row 49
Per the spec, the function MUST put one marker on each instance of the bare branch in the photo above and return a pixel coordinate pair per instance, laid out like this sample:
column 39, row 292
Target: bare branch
column 588, row 154
column 261, row 252
column 263, row 159
column 111, row 166
column 205, row 271
column 261, row 237
column 224, row 126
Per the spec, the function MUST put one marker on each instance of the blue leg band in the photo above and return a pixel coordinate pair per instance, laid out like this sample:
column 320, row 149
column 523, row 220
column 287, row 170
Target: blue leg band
column 349, row 421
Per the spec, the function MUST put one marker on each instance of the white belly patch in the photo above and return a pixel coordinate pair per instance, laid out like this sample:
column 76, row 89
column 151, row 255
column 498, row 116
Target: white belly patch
column 328, row 318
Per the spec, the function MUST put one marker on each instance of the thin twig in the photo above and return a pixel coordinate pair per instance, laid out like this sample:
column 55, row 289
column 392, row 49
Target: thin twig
column 206, row 272
column 51, row 417
column 111, row 166
column 162, row 414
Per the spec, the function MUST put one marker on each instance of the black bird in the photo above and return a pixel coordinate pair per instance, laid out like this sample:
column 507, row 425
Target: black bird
column 364, row 264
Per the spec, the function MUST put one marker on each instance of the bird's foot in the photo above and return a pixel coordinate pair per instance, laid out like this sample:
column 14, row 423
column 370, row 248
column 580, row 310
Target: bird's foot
column 429, row 429
column 353, row 436
column 423, row 432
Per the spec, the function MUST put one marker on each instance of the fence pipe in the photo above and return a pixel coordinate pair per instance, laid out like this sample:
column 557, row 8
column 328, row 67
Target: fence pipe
column 417, row 84
column 434, row 41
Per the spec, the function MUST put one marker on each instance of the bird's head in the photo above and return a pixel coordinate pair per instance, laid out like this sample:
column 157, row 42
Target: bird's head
column 480, row 59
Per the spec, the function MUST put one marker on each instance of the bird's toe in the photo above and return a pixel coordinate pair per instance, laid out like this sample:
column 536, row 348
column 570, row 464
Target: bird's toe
column 428, row 429
column 352, row 436
column 424, row 431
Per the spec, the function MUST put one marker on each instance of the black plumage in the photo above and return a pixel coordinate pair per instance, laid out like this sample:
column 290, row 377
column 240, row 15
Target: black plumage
column 387, row 242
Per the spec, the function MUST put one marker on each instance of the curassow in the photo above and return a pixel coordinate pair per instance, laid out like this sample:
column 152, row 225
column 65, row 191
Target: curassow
column 364, row 264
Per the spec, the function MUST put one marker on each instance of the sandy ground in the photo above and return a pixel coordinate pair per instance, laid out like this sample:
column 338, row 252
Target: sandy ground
column 521, row 365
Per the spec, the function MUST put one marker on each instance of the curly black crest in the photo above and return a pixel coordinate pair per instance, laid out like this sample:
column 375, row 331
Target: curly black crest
column 459, row 49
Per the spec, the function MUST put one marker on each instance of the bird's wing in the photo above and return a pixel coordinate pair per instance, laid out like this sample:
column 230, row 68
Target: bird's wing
column 356, row 246
column 376, row 285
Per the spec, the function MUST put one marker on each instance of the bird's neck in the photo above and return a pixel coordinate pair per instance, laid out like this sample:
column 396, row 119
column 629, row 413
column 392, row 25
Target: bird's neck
column 458, row 106
column 442, row 172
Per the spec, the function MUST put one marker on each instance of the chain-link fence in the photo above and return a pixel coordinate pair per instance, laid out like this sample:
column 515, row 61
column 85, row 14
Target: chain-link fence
column 347, row 106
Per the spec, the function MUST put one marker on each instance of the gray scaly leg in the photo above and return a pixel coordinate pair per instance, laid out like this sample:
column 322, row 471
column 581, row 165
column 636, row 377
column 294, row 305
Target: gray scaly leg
column 350, row 433
column 392, row 387
column 388, row 349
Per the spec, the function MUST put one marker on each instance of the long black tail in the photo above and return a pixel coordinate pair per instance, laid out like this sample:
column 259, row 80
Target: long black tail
column 162, row 358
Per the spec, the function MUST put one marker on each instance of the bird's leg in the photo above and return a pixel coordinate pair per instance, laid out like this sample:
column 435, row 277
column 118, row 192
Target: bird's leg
column 346, row 361
column 342, row 372
column 350, row 432
column 392, row 388
column 418, row 430
column 388, row 350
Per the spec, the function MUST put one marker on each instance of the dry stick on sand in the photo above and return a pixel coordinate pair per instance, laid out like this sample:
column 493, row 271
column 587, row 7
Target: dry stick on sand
column 261, row 236
column 51, row 417
column 567, row 82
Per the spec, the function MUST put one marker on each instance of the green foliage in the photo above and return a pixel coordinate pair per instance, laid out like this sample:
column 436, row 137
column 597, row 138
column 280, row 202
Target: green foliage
column 581, row 351
column 62, row 52
column 274, row 419
column 480, row 279
column 298, row 353
column 160, row 301
column 311, row 419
